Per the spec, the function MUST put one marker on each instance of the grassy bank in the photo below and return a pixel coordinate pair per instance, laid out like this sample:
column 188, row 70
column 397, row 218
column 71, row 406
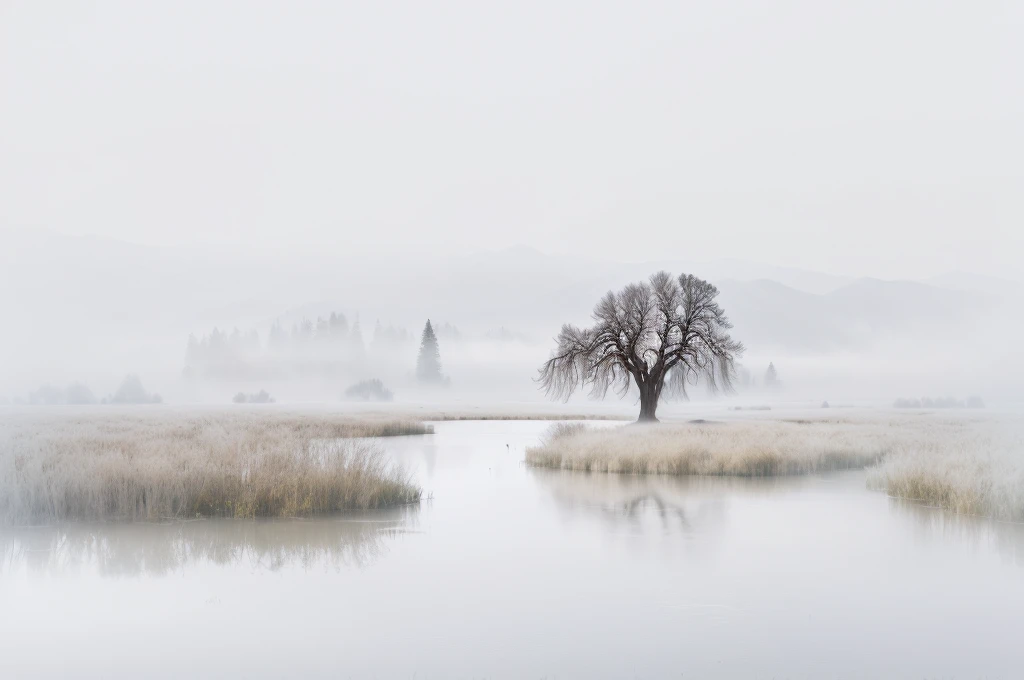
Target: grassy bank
column 146, row 465
column 446, row 416
column 755, row 448
column 969, row 465
column 972, row 471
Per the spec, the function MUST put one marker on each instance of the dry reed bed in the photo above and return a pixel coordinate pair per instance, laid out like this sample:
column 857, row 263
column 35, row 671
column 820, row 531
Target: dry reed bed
column 137, row 465
column 970, row 465
column 445, row 416
column 972, row 470
column 753, row 448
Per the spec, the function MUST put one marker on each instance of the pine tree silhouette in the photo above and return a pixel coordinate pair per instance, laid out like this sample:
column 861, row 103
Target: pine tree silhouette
column 428, row 364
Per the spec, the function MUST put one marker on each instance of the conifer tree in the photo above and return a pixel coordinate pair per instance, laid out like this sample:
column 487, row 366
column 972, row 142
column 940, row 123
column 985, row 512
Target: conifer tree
column 428, row 365
column 339, row 326
column 278, row 341
column 191, row 350
column 378, row 336
column 357, row 350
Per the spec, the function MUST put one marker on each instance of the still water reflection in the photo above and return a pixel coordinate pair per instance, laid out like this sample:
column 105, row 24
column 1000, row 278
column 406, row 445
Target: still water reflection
column 166, row 549
column 512, row 572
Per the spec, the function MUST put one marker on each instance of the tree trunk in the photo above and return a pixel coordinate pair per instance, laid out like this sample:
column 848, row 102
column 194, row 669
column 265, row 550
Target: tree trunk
column 648, row 403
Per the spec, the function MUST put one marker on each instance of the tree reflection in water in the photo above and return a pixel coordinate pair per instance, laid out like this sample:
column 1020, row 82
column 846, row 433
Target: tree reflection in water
column 684, row 503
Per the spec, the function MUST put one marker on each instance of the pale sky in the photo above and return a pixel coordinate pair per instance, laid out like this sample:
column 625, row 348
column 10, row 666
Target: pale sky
column 867, row 138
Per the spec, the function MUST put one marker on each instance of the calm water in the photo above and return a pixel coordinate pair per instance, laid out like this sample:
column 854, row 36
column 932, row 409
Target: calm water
column 511, row 572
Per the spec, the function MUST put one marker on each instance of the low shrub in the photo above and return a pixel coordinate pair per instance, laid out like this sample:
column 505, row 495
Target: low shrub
column 369, row 390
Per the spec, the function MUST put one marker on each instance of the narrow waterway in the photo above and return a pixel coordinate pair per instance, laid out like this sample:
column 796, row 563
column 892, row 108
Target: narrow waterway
column 509, row 572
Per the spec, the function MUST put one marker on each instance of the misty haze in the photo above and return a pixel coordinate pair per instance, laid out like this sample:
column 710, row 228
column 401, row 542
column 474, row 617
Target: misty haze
column 516, row 340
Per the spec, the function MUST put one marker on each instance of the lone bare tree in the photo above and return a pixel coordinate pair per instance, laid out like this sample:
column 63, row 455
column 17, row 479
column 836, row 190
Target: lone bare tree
column 665, row 332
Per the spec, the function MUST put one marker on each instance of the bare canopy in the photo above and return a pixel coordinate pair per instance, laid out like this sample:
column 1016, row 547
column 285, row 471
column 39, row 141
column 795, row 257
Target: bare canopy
column 665, row 332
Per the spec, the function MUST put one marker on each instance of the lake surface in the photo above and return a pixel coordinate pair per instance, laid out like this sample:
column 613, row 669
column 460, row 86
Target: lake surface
column 509, row 572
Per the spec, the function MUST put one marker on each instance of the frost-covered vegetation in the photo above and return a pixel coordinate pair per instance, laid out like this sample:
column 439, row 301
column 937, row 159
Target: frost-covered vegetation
column 972, row 468
column 513, row 415
column 970, row 465
column 750, row 448
column 939, row 402
column 152, row 465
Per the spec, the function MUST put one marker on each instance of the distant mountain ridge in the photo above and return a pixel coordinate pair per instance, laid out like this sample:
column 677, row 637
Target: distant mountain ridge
column 110, row 296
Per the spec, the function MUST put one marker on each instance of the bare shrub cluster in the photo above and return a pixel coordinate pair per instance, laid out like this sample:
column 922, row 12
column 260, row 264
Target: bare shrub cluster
column 369, row 390
column 261, row 397
column 133, row 466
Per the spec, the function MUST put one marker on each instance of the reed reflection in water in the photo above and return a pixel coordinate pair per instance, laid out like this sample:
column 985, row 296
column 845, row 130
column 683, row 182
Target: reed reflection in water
column 150, row 549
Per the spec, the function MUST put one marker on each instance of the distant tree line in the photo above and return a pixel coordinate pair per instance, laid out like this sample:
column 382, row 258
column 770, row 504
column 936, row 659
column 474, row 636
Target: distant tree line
column 130, row 391
column 449, row 332
column 329, row 345
column 261, row 397
column 745, row 379
column 49, row 395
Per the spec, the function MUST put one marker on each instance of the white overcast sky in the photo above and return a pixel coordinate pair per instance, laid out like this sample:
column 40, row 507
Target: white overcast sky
column 877, row 138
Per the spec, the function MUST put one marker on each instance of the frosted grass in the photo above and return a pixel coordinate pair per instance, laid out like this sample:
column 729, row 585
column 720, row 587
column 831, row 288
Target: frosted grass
column 146, row 466
column 969, row 465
